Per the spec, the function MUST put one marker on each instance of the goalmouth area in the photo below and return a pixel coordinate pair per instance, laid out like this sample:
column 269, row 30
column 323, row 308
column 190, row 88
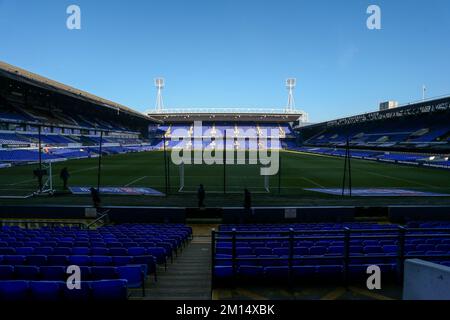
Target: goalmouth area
column 301, row 176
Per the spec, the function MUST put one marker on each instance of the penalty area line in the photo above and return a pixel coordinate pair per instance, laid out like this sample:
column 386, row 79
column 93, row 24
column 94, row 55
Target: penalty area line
column 136, row 180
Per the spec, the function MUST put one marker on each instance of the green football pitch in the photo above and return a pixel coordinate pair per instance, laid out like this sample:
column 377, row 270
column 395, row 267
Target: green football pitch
column 224, row 188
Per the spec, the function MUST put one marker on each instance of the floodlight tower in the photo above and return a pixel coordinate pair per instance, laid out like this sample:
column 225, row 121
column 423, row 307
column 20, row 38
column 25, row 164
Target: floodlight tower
column 290, row 85
column 159, row 84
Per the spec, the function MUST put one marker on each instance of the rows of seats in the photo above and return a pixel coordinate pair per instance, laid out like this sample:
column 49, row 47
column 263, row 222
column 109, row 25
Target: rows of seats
column 380, row 156
column 272, row 251
column 134, row 274
column 120, row 252
column 22, row 290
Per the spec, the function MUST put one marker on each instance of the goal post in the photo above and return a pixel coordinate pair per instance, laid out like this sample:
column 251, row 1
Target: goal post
column 222, row 178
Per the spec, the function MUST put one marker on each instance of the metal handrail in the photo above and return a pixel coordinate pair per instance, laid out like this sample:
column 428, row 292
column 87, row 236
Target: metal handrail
column 345, row 234
column 104, row 214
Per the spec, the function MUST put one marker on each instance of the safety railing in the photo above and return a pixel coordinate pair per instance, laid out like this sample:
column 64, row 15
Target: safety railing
column 346, row 235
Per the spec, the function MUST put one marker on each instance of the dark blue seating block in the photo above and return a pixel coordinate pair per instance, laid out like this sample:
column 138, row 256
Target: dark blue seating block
column 262, row 251
column 81, row 251
column 62, row 251
column 14, row 290
column 159, row 253
column 44, row 251
column 53, row 273
column 6, row 273
column 246, row 260
column 7, row 250
column 80, row 260
column 103, row 273
column 134, row 274
column 223, row 272
column 110, row 290
column 37, row 260
column 137, row 251
column 149, row 261
column 57, row 260
column 14, row 260
column 81, row 294
column 100, row 251
column 101, row 260
column 46, row 290
column 122, row 260
column 25, row 251
column 26, row 272
column 116, row 251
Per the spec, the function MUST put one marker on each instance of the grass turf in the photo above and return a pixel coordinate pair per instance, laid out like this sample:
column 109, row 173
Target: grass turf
column 298, row 171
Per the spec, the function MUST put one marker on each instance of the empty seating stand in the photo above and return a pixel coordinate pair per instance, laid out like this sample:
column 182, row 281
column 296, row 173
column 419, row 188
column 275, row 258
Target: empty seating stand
column 115, row 253
column 322, row 252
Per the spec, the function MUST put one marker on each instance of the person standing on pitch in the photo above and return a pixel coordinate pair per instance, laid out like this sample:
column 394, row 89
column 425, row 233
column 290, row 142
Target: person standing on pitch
column 247, row 200
column 95, row 195
column 201, row 196
column 64, row 176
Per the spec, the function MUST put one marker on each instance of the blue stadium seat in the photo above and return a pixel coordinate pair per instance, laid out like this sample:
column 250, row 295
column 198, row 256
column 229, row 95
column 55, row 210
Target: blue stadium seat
column 244, row 251
column 26, row 272
column 101, row 260
column 24, row 251
column 81, row 251
column 137, row 251
column 53, row 273
column 6, row 273
column 43, row 250
column 281, row 251
column 262, row 251
column 159, row 253
column 57, row 260
column 122, row 260
column 149, row 261
column 317, row 251
column 7, row 251
column 14, row 290
column 109, row 290
column 82, row 294
column 135, row 276
column 46, row 290
column 373, row 250
column 116, row 251
column 223, row 272
column 14, row 260
column 103, row 273
column 62, row 251
column 100, row 251
column 37, row 260
column 80, row 260
column 301, row 251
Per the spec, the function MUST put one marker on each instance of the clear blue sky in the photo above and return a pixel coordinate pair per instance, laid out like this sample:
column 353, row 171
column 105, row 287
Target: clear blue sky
column 220, row 53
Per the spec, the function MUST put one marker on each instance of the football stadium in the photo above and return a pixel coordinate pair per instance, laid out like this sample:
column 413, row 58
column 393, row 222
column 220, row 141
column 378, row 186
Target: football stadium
column 104, row 201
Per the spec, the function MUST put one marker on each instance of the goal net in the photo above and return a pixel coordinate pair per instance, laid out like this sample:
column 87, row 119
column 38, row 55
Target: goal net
column 222, row 179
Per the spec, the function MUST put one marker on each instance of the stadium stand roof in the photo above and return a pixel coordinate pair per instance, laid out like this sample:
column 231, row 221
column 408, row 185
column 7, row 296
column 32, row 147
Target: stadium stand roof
column 21, row 75
column 433, row 105
column 238, row 116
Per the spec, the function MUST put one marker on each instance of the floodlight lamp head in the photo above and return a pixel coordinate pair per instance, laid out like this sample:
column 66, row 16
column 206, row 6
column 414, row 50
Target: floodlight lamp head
column 291, row 83
column 159, row 83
